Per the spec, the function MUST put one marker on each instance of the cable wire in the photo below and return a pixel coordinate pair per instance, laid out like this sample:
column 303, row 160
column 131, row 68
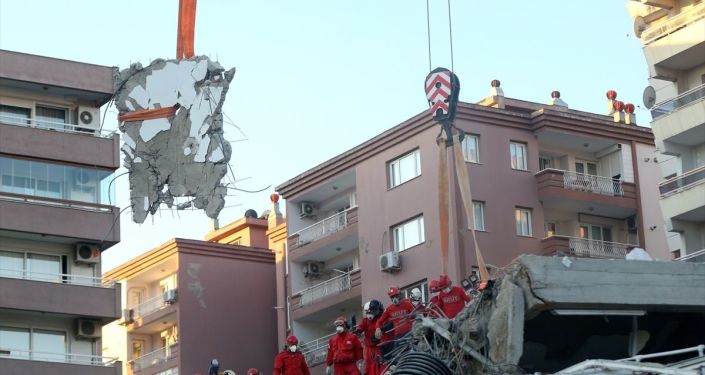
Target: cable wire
column 428, row 33
column 450, row 31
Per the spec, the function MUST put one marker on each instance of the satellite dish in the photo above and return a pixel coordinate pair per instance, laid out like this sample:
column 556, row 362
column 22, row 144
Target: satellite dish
column 639, row 26
column 649, row 97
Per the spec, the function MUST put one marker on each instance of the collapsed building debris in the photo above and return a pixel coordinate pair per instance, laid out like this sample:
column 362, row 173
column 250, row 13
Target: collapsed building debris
column 544, row 314
column 172, row 128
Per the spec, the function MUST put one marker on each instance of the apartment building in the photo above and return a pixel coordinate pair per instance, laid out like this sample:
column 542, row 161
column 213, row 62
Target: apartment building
column 545, row 179
column 190, row 301
column 56, row 216
column 673, row 34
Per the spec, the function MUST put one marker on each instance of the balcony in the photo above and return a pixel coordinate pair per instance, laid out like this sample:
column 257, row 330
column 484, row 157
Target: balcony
column 673, row 24
column 13, row 361
column 158, row 360
column 586, row 193
column 697, row 257
column 682, row 182
column 683, row 197
column 326, row 294
column 55, row 126
column 59, row 293
column 316, row 351
column 582, row 247
column 677, row 44
column 680, row 121
column 339, row 230
column 153, row 309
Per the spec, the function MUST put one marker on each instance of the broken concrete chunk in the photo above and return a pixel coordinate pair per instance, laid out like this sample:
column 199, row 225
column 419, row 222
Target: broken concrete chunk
column 183, row 155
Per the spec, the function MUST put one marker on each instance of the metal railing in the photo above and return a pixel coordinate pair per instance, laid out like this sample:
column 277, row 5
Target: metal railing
column 697, row 256
column 652, row 34
column 323, row 228
column 149, row 306
column 597, row 249
column 73, row 358
column 680, row 101
column 327, row 288
column 59, row 126
column 592, row 183
column 315, row 351
column 59, row 278
column 154, row 358
column 683, row 182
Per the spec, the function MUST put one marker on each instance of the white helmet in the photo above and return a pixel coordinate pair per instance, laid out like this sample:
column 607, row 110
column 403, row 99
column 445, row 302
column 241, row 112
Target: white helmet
column 415, row 294
column 367, row 306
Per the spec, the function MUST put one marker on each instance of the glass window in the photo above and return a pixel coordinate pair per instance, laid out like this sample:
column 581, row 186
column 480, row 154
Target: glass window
column 422, row 285
column 11, row 264
column 544, row 163
column 14, row 115
column 404, row 168
column 16, row 340
column 44, row 267
column 470, row 147
column 49, row 345
column 52, row 118
column 479, row 215
column 523, row 221
column 408, row 234
column 517, row 152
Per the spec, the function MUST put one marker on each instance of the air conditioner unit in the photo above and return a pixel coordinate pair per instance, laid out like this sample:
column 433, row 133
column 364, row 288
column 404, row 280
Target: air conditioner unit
column 88, row 329
column 170, row 296
column 307, row 209
column 88, row 118
column 312, row 269
column 389, row 262
column 87, row 253
column 128, row 316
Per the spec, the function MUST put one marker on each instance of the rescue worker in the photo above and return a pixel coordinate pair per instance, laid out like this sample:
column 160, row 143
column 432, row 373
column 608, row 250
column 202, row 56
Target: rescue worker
column 373, row 310
column 415, row 298
column 290, row 361
column 433, row 301
column 344, row 350
column 452, row 299
column 399, row 314
column 253, row 371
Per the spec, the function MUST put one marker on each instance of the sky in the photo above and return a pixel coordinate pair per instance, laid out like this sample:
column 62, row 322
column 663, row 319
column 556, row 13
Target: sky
column 318, row 77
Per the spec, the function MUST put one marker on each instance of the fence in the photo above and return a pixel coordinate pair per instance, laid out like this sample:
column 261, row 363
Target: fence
column 592, row 183
column 597, row 249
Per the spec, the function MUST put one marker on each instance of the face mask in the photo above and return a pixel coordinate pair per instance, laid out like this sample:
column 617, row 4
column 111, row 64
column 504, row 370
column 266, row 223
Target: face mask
column 447, row 290
column 292, row 348
column 339, row 329
column 395, row 300
column 370, row 316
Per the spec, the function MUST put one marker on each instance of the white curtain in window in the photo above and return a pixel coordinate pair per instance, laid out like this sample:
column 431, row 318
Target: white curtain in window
column 16, row 340
column 11, row 264
column 49, row 345
column 52, row 118
column 44, row 267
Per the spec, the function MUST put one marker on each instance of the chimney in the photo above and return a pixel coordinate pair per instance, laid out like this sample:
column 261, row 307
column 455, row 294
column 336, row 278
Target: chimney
column 629, row 115
column 556, row 99
column 618, row 114
column 496, row 97
column 611, row 96
column 275, row 216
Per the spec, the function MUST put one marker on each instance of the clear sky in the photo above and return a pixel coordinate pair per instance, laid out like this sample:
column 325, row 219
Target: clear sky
column 318, row 77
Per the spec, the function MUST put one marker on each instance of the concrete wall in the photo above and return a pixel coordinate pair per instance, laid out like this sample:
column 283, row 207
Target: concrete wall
column 649, row 178
column 226, row 312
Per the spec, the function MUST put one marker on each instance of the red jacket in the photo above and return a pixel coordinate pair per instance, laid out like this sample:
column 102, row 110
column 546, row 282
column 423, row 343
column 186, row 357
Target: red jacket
column 453, row 302
column 367, row 327
column 344, row 348
column 288, row 363
column 400, row 315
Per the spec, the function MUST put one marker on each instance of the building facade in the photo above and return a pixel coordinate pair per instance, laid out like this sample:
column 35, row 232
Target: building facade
column 545, row 180
column 673, row 34
column 56, row 216
column 190, row 301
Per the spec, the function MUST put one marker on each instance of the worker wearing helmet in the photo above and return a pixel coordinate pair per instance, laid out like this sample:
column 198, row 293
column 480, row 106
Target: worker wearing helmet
column 452, row 299
column 373, row 310
column 433, row 301
column 344, row 350
column 399, row 314
column 290, row 361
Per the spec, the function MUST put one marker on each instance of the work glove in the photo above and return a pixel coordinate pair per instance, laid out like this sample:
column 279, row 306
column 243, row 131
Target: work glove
column 327, row 370
column 378, row 333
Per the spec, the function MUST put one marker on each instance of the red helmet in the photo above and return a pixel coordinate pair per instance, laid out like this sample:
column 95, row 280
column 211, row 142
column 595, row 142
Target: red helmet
column 292, row 340
column 393, row 291
column 443, row 282
column 340, row 321
column 433, row 286
column 253, row 371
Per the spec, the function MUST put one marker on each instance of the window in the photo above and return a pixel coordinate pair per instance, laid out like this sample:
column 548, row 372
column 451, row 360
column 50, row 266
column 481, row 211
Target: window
column 470, row 147
column 50, row 345
column 14, row 115
column 544, row 163
column 479, row 208
column 31, row 266
column 595, row 232
column 404, row 168
column 52, row 118
column 523, row 221
column 550, row 229
column 517, row 152
column 422, row 285
column 16, row 340
column 586, row 167
column 408, row 234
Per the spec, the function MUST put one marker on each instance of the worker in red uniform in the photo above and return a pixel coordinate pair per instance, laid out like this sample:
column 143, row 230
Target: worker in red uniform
column 452, row 299
column 344, row 350
column 400, row 315
column 371, row 352
column 433, row 302
column 290, row 361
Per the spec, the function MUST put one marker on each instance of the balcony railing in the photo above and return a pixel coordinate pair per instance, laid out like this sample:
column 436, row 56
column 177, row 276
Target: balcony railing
column 52, row 125
column 327, row 288
column 673, row 24
column 597, row 249
column 680, row 101
column 697, row 256
column 682, row 182
column 593, row 184
column 153, row 304
column 323, row 228
column 74, row 358
column 315, row 351
column 58, row 278
column 154, row 358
